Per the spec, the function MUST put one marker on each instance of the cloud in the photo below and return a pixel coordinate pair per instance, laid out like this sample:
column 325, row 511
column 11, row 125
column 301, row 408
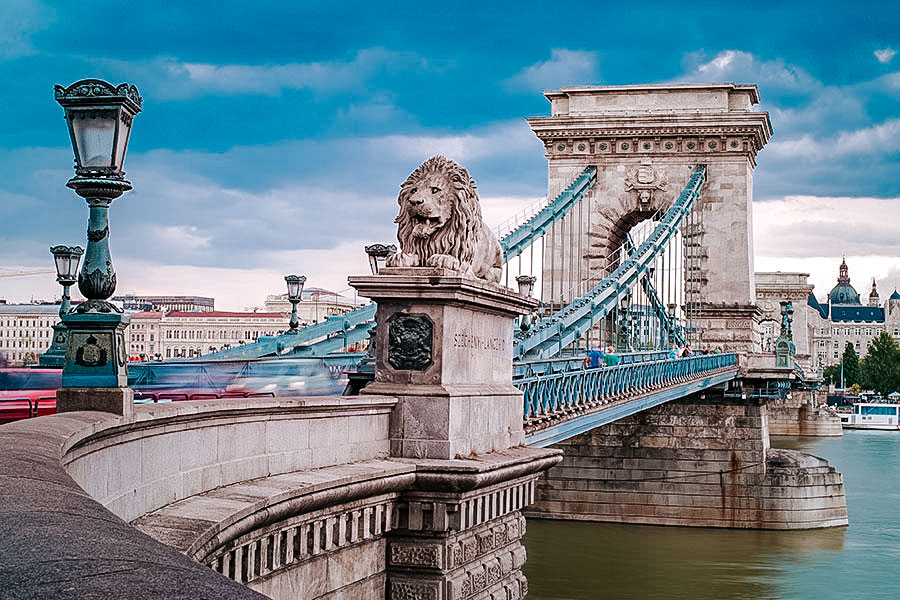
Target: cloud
column 564, row 68
column 740, row 66
column 809, row 234
column 19, row 19
column 885, row 55
column 880, row 139
column 170, row 77
column 809, row 226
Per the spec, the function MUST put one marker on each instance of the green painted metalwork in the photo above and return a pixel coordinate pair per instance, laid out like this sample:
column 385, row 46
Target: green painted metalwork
column 675, row 331
column 560, row 405
column 784, row 345
column 339, row 331
column 516, row 241
column 564, row 327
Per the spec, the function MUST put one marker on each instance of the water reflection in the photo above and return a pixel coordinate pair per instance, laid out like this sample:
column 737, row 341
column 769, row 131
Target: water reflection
column 573, row 561
column 576, row 561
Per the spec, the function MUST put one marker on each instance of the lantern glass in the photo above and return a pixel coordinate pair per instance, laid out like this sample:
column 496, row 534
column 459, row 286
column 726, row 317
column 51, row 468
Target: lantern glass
column 294, row 286
column 123, row 132
column 526, row 284
column 373, row 264
column 378, row 254
column 94, row 136
column 66, row 260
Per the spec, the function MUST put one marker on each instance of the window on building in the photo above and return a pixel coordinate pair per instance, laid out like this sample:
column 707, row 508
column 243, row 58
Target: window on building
column 868, row 331
column 835, row 354
column 835, row 343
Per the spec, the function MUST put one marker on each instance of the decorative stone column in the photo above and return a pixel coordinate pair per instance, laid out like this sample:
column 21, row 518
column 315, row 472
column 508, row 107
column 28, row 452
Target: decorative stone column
column 444, row 348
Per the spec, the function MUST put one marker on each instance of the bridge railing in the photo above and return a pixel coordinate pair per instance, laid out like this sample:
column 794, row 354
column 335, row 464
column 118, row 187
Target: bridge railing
column 555, row 395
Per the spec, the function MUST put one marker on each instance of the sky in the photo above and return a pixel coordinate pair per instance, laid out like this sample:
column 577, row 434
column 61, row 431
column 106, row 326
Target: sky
column 274, row 137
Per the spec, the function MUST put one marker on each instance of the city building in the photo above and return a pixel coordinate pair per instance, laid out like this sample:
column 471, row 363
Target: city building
column 822, row 329
column 316, row 305
column 26, row 331
column 132, row 302
column 186, row 334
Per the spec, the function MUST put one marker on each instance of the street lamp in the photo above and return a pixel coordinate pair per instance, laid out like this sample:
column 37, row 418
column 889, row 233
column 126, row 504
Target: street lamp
column 378, row 254
column 66, row 260
column 99, row 116
column 526, row 284
column 526, row 288
column 295, row 289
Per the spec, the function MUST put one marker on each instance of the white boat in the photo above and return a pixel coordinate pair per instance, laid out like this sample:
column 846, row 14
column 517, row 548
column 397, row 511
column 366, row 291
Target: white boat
column 872, row 416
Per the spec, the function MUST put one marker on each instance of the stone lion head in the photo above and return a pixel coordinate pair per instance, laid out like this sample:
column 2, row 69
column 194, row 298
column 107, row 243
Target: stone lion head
column 440, row 224
column 439, row 211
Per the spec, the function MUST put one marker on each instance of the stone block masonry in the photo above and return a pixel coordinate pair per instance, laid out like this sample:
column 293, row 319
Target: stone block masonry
column 645, row 141
column 802, row 415
column 702, row 461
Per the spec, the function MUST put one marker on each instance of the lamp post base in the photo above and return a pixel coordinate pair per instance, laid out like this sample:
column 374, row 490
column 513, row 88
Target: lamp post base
column 95, row 350
column 116, row 400
column 55, row 356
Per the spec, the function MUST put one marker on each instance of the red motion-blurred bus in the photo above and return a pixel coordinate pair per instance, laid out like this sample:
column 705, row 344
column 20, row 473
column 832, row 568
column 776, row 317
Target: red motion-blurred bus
column 26, row 393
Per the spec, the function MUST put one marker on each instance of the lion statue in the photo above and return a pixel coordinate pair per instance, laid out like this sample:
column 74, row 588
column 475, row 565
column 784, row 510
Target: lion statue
column 440, row 224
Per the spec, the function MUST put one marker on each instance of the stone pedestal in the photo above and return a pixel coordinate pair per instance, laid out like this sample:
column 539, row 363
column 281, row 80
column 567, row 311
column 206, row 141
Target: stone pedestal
column 117, row 400
column 55, row 356
column 95, row 375
column 444, row 348
column 457, row 536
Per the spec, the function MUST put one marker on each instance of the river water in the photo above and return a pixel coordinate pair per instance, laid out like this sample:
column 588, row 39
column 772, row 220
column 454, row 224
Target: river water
column 576, row 561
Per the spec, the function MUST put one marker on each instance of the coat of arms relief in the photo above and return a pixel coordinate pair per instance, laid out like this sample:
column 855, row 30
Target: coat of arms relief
column 644, row 180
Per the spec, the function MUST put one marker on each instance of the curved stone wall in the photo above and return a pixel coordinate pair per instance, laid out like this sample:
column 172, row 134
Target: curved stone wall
column 173, row 451
column 58, row 542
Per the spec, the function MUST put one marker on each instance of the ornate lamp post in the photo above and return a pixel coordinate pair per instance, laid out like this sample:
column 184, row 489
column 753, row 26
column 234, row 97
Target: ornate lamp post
column 99, row 116
column 295, row 289
column 66, row 260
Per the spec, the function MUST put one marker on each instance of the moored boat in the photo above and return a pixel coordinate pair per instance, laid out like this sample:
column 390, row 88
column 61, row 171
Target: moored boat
column 867, row 415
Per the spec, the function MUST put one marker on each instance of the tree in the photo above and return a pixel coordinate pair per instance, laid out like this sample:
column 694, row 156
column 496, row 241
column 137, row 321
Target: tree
column 832, row 374
column 850, row 361
column 880, row 369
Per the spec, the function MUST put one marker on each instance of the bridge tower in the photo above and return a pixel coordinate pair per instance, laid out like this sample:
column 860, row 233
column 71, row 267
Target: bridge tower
column 645, row 140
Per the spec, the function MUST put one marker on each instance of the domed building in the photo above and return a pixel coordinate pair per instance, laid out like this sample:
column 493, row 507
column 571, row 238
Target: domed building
column 845, row 319
column 823, row 329
column 843, row 292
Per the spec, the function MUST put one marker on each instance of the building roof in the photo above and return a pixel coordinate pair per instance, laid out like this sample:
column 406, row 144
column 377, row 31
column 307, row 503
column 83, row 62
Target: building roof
column 219, row 313
column 822, row 310
column 895, row 296
column 147, row 314
column 29, row 309
column 865, row 314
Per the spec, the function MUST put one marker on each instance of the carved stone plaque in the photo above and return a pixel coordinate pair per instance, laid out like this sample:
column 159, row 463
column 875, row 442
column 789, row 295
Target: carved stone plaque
column 410, row 342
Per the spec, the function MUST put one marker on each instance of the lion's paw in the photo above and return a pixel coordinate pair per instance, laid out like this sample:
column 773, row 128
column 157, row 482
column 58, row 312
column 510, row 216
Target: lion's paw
column 443, row 261
column 401, row 259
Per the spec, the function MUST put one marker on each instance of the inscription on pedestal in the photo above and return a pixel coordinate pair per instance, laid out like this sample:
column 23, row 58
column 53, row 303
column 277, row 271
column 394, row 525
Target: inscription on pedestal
column 410, row 342
column 478, row 342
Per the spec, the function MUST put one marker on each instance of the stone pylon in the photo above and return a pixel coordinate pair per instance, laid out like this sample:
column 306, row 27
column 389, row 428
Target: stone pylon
column 645, row 141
